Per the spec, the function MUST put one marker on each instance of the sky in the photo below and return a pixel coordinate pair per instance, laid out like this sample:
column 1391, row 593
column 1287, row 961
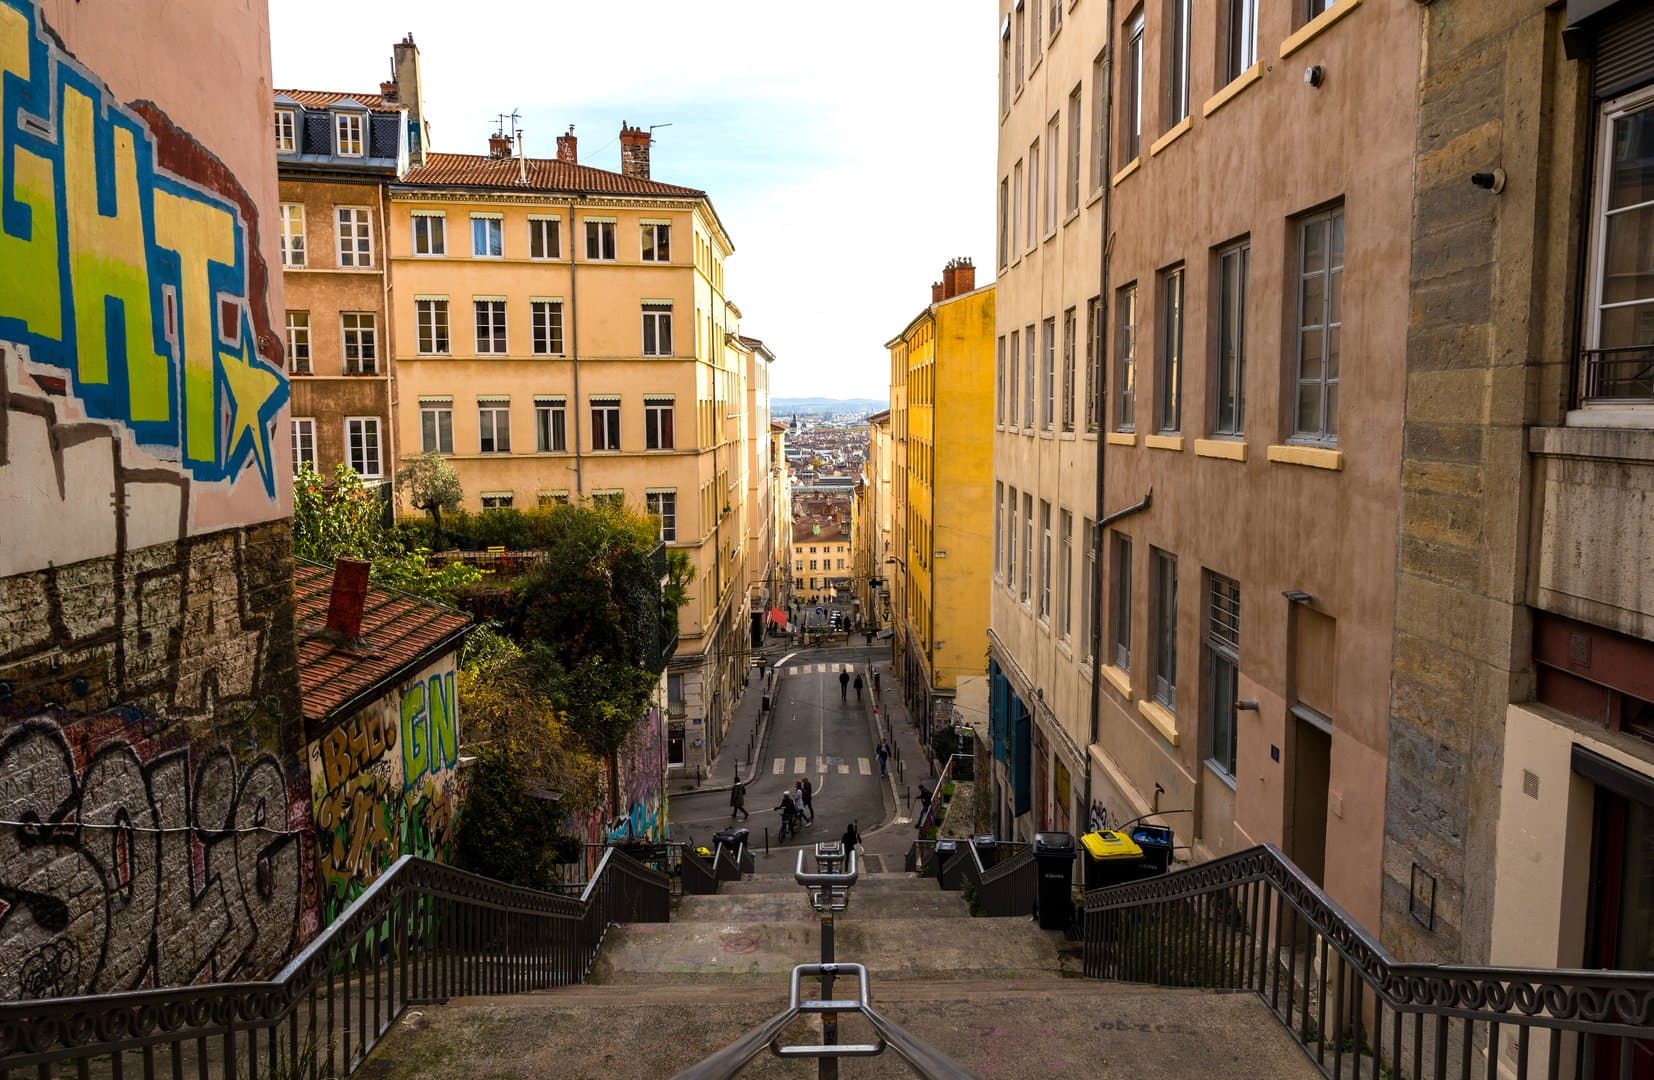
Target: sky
column 848, row 148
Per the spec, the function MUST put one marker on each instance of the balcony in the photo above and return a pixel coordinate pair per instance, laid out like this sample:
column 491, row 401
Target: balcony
column 1618, row 376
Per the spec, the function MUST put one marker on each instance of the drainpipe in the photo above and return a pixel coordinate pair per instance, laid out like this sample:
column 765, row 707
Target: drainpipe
column 574, row 355
column 391, row 442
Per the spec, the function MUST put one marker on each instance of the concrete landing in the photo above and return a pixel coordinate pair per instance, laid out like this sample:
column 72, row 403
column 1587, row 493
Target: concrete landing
column 931, row 902
column 867, row 885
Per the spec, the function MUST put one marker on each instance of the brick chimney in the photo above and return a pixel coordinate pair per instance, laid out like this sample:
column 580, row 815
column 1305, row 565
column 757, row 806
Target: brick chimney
column 387, row 90
column 568, row 147
column 958, row 277
column 350, row 589
column 410, row 93
column 634, row 152
column 936, row 294
column 499, row 145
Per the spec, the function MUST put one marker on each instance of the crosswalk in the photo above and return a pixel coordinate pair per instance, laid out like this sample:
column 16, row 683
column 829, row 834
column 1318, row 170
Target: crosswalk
column 820, row 669
column 801, row 764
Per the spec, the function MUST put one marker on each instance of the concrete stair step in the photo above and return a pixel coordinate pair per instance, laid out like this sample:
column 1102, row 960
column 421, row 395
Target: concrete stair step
column 781, row 907
column 865, row 884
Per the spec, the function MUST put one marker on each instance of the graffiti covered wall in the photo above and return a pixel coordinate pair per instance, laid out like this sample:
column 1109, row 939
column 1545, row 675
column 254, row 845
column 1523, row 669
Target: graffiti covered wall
column 384, row 784
column 643, row 794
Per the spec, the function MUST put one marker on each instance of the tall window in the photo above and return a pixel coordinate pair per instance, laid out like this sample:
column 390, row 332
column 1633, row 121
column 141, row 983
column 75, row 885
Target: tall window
column 999, row 525
column 436, row 426
column 657, row 241
column 1177, row 61
column 1088, row 589
column 1031, row 225
column 1036, row 46
column 1619, row 320
column 606, row 423
column 494, row 425
column 487, row 236
column 1048, row 374
column 1004, row 222
column 1120, row 602
column 1016, row 210
column 1020, row 38
column 1014, row 356
column 1099, row 117
column 546, row 317
column 431, row 326
column 490, row 320
column 600, row 239
column 1320, row 322
column 1053, row 171
column 298, row 342
column 663, row 507
column 551, row 425
column 1044, row 559
column 1074, row 142
column 1027, row 546
column 1165, row 627
column 657, row 329
column 1125, row 359
column 292, row 235
column 1068, row 320
column 1133, row 113
column 430, row 234
column 1313, row 8
column 1005, row 70
column 347, row 134
column 1056, row 16
column 1029, row 366
column 1094, row 401
column 359, row 336
column 999, row 380
column 1223, row 668
column 1011, row 543
column 1242, row 46
column 304, row 443
column 657, row 422
column 286, row 132
column 1229, row 371
column 544, row 239
column 362, row 445
column 1065, row 575
column 1169, row 377
column 355, row 236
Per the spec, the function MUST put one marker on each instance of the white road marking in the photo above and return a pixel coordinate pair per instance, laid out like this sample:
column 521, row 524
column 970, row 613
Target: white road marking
column 844, row 770
column 798, row 764
column 779, row 763
column 863, row 767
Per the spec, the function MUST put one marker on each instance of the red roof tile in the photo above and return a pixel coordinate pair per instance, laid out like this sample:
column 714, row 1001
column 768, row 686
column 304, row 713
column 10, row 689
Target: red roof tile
column 544, row 174
column 322, row 99
column 401, row 633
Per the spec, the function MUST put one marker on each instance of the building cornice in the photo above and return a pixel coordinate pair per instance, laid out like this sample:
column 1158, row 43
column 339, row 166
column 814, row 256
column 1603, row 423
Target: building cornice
column 541, row 198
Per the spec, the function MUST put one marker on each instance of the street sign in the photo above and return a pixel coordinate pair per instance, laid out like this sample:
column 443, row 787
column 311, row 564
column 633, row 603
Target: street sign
column 821, row 611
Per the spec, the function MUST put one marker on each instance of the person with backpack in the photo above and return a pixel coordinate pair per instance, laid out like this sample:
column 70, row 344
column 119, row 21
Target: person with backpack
column 843, row 685
column 851, row 840
column 858, row 687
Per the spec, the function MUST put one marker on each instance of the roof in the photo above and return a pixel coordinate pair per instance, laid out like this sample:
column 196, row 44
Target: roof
column 544, row 174
column 776, row 425
column 400, row 634
column 323, row 99
column 879, row 417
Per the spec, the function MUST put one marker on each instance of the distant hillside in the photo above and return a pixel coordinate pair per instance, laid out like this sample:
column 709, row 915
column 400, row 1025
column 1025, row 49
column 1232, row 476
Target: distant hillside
column 782, row 405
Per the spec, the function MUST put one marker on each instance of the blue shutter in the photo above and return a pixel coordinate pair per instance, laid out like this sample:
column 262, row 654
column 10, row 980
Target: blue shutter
column 1021, row 759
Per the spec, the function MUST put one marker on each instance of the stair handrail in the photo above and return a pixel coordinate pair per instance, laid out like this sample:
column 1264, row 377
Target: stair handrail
column 1009, row 886
column 1224, row 924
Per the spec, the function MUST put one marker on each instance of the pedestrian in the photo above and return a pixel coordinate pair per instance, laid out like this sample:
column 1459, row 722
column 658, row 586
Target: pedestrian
column 809, row 793
column 851, row 839
column 858, row 687
column 738, row 800
column 762, row 663
column 875, row 682
column 924, row 807
column 843, row 685
column 884, row 759
column 796, row 797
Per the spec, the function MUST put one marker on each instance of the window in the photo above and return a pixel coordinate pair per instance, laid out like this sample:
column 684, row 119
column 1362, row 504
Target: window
column 436, row 426
column 999, row 525
column 1048, row 374
column 1230, row 367
column 1011, row 543
column 1056, row 16
column 347, row 134
column 1088, row 588
column 1320, row 320
column 1053, row 172
column 1125, row 359
column 487, row 236
column 1015, row 356
column 605, row 423
column 1169, row 378
column 1619, row 330
column 1020, row 38
column 298, row 342
column 1027, row 546
column 1005, row 70
column 430, row 234
column 999, row 380
column 1029, row 363
column 1094, row 402
column 1065, row 575
column 657, row 329
column 611, row 497
column 362, row 445
column 304, row 443
column 1036, row 45
column 544, row 239
column 1242, row 47
column 497, row 500
column 1133, row 126
column 663, row 507
column 551, row 425
column 1223, row 668
column 546, row 318
column 355, row 236
column 1165, row 628
column 431, row 326
column 813, row 563
column 1031, row 226
column 1099, row 119
column 1004, row 222
column 286, row 132
column 490, row 322
column 292, row 235
column 657, row 422
column 359, row 336
column 494, row 425
column 1074, row 150
column 1312, row 8
column 1044, row 559
column 1177, row 61
column 1120, row 605
column 1068, row 318
column 1016, row 208
column 657, row 241
column 600, row 239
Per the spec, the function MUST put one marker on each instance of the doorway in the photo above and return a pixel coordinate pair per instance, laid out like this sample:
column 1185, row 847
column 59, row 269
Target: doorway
column 1311, row 771
column 1620, row 932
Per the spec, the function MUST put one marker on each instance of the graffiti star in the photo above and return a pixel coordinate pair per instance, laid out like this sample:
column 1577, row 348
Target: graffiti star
column 255, row 394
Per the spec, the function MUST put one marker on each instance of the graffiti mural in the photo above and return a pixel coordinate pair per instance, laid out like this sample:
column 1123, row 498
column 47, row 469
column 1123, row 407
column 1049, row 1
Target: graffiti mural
column 642, row 780
column 126, row 861
column 384, row 784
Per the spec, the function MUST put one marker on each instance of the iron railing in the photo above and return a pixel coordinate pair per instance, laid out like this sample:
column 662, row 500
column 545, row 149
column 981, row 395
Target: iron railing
column 1623, row 374
column 701, row 875
column 1005, row 884
column 421, row 933
column 1253, row 921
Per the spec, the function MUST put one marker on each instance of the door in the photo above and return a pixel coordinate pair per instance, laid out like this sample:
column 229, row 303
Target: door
column 1311, row 764
column 1621, row 929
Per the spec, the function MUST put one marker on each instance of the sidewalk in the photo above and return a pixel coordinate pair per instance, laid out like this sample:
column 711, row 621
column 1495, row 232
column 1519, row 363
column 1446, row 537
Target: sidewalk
column 908, row 770
column 747, row 727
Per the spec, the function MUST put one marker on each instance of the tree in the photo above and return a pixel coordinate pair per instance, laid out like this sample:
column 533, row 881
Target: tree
column 431, row 485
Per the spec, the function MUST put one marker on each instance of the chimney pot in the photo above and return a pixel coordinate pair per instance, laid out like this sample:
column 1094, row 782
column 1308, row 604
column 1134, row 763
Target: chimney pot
column 937, row 292
column 350, row 589
column 499, row 145
column 387, row 89
column 568, row 147
column 634, row 151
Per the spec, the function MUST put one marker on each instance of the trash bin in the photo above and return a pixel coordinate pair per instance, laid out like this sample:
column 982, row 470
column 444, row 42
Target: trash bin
column 1054, row 855
column 1156, row 842
column 731, row 838
column 946, row 849
column 1111, row 858
column 987, row 849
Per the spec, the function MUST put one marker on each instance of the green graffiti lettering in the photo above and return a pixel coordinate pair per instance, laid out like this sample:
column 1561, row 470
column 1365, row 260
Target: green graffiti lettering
column 444, row 718
column 200, row 233
column 416, row 750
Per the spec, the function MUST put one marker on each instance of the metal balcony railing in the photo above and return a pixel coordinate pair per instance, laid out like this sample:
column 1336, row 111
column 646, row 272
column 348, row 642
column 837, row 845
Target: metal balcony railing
column 1623, row 374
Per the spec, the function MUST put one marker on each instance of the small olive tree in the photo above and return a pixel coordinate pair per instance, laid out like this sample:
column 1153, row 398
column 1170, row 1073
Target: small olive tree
column 431, row 485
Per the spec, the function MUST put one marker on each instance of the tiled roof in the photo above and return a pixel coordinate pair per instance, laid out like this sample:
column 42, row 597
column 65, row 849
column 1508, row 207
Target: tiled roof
column 322, row 99
column 400, row 634
column 544, row 174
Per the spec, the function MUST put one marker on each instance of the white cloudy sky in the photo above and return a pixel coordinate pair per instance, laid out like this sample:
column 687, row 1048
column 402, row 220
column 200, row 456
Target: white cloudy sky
column 848, row 148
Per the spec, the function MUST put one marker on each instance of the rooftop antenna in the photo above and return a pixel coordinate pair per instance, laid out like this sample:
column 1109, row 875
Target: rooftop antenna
column 652, row 128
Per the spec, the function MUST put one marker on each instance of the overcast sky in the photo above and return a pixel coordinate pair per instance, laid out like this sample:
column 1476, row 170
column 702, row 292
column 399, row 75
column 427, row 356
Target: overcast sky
column 849, row 149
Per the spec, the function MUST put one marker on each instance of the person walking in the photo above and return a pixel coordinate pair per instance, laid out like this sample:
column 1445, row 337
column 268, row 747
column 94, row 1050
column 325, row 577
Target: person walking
column 858, row 687
column 843, row 685
column 738, row 800
column 808, row 791
column 924, row 807
column 884, row 759
column 875, row 682
column 851, row 839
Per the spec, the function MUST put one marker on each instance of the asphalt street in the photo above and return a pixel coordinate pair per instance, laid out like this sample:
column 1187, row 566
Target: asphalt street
column 815, row 732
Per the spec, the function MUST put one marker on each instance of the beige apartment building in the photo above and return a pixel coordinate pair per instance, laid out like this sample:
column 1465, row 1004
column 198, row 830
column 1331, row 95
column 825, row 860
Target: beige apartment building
column 764, row 549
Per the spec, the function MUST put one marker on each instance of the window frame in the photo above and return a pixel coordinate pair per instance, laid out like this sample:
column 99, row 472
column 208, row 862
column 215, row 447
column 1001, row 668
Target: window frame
column 1044, row 610
column 366, row 342
column 497, row 428
column 1031, row 241
column 289, row 144
column 999, row 524
column 1163, row 578
column 1053, row 174
column 1132, row 72
column 436, row 426
column 298, row 341
column 1168, row 374
column 656, row 316
column 551, row 424
column 477, row 328
column 1119, row 614
column 1125, row 358
column 1178, row 14
column 303, row 429
column 1048, row 374
column 1229, row 341
column 340, row 121
column 1638, row 410
column 1030, row 342
column 605, row 417
column 1012, row 529
column 1221, row 652
column 433, row 326
column 1076, row 107
column 1013, row 395
column 1326, row 433
column 546, row 334
column 435, row 240
column 999, row 381
column 1065, row 411
column 659, row 422
column 360, row 231
column 546, row 233
column 1240, row 47
column 378, row 446
column 601, row 236
column 1065, row 574
column 1027, row 592
column 662, row 241
column 294, row 245
column 667, row 516
column 490, row 234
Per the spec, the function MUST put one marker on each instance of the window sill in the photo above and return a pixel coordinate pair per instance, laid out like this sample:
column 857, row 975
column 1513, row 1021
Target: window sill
column 1220, row 774
column 1130, row 167
column 1226, row 449
column 1160, row 719
column 1178, row 130
column 1164, row 442
column 1317, row 26
column 1065, row 648
column 1095, row 197
column 1073, row 216
column 1314, row 457
column 1117, row 678
column 1122, row 438
column 1229, row 93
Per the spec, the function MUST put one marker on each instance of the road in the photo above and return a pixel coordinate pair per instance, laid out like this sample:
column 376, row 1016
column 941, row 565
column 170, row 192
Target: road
column 815, row 732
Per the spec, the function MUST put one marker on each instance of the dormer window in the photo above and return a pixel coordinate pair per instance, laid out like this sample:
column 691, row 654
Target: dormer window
column 286, row 132
column 347, row 135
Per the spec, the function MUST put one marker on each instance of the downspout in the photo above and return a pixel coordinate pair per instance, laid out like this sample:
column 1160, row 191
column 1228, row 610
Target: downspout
column 574, row 355
column 391, row 401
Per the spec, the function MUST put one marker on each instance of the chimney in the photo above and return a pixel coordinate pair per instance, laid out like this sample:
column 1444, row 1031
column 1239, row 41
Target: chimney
column 499, row 145
column 387, row 90
column 936, row 293
column 350, row 589
column 409, row 93
column 522, row 162
column 568, row 147
column 634, row 152
column 958, row 277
